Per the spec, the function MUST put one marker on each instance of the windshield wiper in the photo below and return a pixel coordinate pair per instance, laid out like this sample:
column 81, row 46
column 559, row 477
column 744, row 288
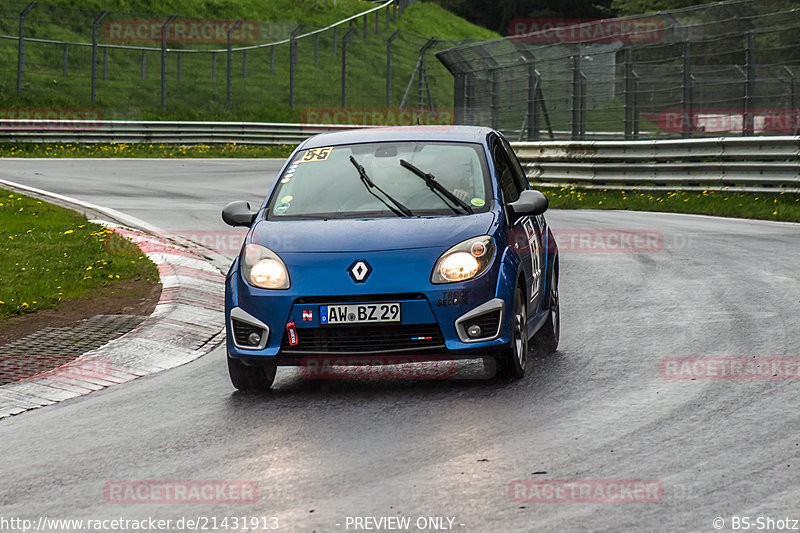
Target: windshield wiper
column 400, row 209
column 430, row 181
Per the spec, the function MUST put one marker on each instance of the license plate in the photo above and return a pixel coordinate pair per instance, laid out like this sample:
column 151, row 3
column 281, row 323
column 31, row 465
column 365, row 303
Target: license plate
column 359, row 313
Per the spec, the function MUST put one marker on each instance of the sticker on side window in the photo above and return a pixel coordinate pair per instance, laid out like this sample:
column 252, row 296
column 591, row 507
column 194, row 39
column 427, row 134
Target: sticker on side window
column 313, row 155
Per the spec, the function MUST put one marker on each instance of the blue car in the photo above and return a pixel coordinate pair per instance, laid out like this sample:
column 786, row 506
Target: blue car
column 417, row 243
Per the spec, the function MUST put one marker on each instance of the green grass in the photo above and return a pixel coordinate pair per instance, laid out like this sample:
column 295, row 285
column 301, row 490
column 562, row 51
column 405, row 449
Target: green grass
column 769, row 206
column 49, row 254
column 316, row 12
column 144, row 150
column 263, row 95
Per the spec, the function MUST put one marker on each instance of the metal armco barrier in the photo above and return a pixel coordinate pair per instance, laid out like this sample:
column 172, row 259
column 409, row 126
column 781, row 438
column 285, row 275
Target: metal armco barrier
column 113, row 131
column 731, row 162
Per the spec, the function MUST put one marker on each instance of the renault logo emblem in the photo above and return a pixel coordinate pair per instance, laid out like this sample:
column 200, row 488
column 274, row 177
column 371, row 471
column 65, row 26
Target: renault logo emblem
column 359, row 271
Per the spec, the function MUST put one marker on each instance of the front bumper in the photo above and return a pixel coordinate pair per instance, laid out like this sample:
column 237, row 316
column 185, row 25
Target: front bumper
column 434, row 321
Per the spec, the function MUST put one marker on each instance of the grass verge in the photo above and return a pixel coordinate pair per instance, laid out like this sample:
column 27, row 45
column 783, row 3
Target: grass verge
column 144, row 150
column 769, row 206
column 49, row 254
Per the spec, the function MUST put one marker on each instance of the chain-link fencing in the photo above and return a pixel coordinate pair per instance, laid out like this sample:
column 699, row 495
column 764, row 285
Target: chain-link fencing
column 716, row 69
column 133, row 66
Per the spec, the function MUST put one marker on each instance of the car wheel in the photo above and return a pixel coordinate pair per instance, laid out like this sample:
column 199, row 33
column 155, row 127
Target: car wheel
column 546, row 339
column 245, row 377
column 512, row 363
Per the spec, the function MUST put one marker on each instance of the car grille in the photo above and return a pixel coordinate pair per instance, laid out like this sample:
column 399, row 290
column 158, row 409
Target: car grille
column 366, row 339
column 242, row 330
column 488, row 322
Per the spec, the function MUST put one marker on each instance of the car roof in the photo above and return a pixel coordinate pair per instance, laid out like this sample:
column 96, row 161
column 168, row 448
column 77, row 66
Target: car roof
column 400, row 133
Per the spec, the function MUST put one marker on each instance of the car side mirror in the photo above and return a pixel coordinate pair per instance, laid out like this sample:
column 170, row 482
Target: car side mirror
column 530, row 203
column 238, row 214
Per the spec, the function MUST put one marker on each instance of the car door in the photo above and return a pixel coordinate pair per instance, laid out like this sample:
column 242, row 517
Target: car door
column 510, row 188
column 531, row 228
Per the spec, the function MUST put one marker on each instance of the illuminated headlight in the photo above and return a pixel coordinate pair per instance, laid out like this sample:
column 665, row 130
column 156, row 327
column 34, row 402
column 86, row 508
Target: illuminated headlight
column 464, row 261
column 263, row 268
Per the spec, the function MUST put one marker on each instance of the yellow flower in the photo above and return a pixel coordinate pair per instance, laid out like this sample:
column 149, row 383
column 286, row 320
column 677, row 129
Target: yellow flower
column 68, row 232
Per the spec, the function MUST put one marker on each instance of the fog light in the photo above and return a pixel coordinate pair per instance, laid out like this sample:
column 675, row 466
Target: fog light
column 254, row 338
column 474, row 331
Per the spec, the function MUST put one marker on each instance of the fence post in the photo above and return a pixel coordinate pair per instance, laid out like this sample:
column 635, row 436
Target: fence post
column 686, row 100
column 388, row 14
column 105, row 64
column 335, row 38
column 635, row 106
column 144, row 65
column 576, row 96
column 213, row 66
column 750, row 84
column 628, row 91
column 377, row 22
column 229, row 81
column 793, row 100
column 21, row 46
column 66, row 61
column 389, row 67
column 95, row 24
column 316, row 47
column 495, row 105
column 272, row 60
column 365, row 27
column 344, row 65
column 244, row 65
column 395, row 7
column 533, row 109
column 164, row 30
column 180, row 66
column 583, row 106
column 293, row 61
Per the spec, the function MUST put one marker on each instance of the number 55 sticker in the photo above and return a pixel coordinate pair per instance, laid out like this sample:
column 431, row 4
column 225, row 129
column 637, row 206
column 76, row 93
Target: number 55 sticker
column 316, row 154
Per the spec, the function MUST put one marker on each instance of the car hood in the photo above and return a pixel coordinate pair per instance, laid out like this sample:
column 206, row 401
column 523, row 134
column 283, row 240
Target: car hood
column 358, row 235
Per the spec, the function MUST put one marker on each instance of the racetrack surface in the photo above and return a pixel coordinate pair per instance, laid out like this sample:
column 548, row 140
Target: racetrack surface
column 322, row 451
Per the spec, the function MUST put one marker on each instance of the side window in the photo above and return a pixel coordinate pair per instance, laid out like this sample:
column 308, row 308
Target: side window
column 508, row 183
column 516, row 168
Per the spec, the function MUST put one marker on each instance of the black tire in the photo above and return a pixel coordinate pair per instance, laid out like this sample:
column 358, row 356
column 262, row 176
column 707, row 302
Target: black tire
column 546, row 339
column 250, row 378
column 512, row 362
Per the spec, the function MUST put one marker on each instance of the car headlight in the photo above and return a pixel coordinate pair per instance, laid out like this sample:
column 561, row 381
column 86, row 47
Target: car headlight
column 263, row 268
column 466, row 260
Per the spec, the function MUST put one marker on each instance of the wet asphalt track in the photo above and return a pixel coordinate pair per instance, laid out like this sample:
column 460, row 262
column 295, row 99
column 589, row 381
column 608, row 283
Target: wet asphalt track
column 323, row 451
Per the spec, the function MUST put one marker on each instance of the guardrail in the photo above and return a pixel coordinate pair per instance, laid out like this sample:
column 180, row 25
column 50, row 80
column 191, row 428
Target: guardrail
column 741, row 163
column 735, row 163
column 121, row 131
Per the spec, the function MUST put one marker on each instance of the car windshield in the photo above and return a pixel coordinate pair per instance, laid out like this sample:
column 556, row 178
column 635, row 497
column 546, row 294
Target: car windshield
column 325, row 183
